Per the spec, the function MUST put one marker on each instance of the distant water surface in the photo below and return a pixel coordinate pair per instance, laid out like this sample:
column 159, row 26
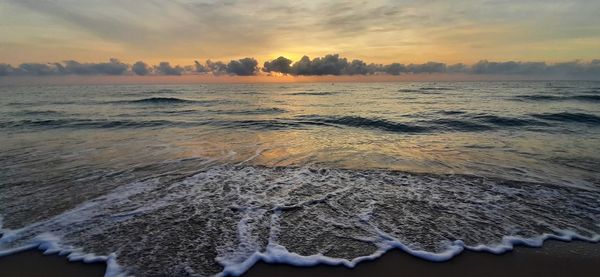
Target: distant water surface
column 206, row 179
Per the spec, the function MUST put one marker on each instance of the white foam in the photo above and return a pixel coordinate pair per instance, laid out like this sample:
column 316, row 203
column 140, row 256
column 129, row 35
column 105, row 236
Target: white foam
column 51, row 245
column 277, row 254
column 301, row 208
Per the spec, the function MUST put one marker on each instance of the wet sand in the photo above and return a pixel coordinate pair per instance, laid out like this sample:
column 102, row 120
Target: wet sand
column 554, row 259
column 34, row 263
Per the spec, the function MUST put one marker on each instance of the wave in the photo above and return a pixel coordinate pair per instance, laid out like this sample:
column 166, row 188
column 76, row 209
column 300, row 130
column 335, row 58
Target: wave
column 88, row 123
column 435, row 88
column 362, row 122
column 583, row 118
column 451, row 112
column 258, row 111
column 40, row 113
column 454, row 121
column 323, row 93
column 224, row 222
column 581, row 97
column 464, row 123
column 166, row 101
column 539, row 97
column 162, row 91
column 268, row 124
column 507, row 121
column 160, row 100
column 592, row 98
column 461, row 125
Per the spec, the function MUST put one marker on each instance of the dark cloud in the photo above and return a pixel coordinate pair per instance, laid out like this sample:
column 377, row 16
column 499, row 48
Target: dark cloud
column 6, row 69
column 281, row 65
column 113, row 67
column 36, row 69
column 577, row 68
column 486, row 67
column 200, row 68
column 217, row 68
column 165, row 68
column 457, row 68
column 243, row 67
column 430, row 67
column 394, row 69
column 373, row 68
column 140, row 68
column 335, row 65
column 302, row 67
column 571, row 69
column 356, row 67
column 327, row 65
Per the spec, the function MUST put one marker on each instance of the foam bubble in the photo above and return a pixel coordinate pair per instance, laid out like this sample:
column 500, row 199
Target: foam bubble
column 224, row 219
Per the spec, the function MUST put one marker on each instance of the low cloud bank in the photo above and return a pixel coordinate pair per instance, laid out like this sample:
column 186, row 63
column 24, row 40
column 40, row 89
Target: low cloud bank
column 319, row 66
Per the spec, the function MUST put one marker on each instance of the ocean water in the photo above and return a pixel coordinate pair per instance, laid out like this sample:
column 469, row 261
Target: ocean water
column 205, row 180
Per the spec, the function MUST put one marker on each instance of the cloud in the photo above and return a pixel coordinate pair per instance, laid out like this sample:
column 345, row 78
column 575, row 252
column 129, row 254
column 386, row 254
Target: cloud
column 331, row 64
column 6, row 69
column 302, row 67
column 574, row 68
column 217, row 68
column 200, row 68
column 165, row 68
column 327, row 65
column 281, row 65
column 511, row 67
column 243, row 67
column 577, row 68
column 140, row 68
column 113, row 67
column 457, row 68
column 36, row 69
column 381, row 28
column 430, row 67
column 356, row 67
column 394, row 69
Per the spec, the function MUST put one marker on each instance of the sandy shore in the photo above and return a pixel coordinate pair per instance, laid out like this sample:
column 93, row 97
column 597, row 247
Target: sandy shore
column 554, row 259
column 35, row 263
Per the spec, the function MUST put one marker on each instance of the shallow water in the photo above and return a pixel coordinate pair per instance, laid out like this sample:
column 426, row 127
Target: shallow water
column 197, row 179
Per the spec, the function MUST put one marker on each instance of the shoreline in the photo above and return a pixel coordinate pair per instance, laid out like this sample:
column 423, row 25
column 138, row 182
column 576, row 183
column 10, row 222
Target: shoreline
column 33, row 262
column 554, row 258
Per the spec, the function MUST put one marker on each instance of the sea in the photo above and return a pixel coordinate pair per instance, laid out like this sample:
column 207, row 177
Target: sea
column 208, row 179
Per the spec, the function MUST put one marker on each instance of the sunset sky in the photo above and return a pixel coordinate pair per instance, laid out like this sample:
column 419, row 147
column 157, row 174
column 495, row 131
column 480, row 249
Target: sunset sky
column 181, row 31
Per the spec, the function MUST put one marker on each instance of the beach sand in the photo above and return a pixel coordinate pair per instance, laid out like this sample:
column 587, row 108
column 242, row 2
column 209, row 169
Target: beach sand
column 554, row 259
column 35, row 263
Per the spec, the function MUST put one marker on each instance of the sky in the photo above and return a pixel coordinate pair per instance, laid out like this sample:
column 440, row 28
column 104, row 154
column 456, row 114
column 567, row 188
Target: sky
column 378, row 31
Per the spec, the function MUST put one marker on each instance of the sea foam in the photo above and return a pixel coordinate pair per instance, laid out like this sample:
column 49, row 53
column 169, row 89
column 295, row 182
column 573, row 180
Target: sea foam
column 224, row 219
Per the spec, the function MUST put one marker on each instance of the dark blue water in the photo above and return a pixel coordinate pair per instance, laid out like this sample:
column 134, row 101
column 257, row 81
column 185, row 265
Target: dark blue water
column 207, row 179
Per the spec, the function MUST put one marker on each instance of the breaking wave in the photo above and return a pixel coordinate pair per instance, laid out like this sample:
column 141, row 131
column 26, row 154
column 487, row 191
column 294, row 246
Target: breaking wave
column 223, row 219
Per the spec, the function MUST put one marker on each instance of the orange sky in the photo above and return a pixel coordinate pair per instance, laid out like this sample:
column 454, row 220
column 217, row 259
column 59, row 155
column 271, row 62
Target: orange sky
column 380, row 31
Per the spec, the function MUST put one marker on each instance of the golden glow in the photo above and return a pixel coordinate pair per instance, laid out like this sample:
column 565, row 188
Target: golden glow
column 375, row 31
